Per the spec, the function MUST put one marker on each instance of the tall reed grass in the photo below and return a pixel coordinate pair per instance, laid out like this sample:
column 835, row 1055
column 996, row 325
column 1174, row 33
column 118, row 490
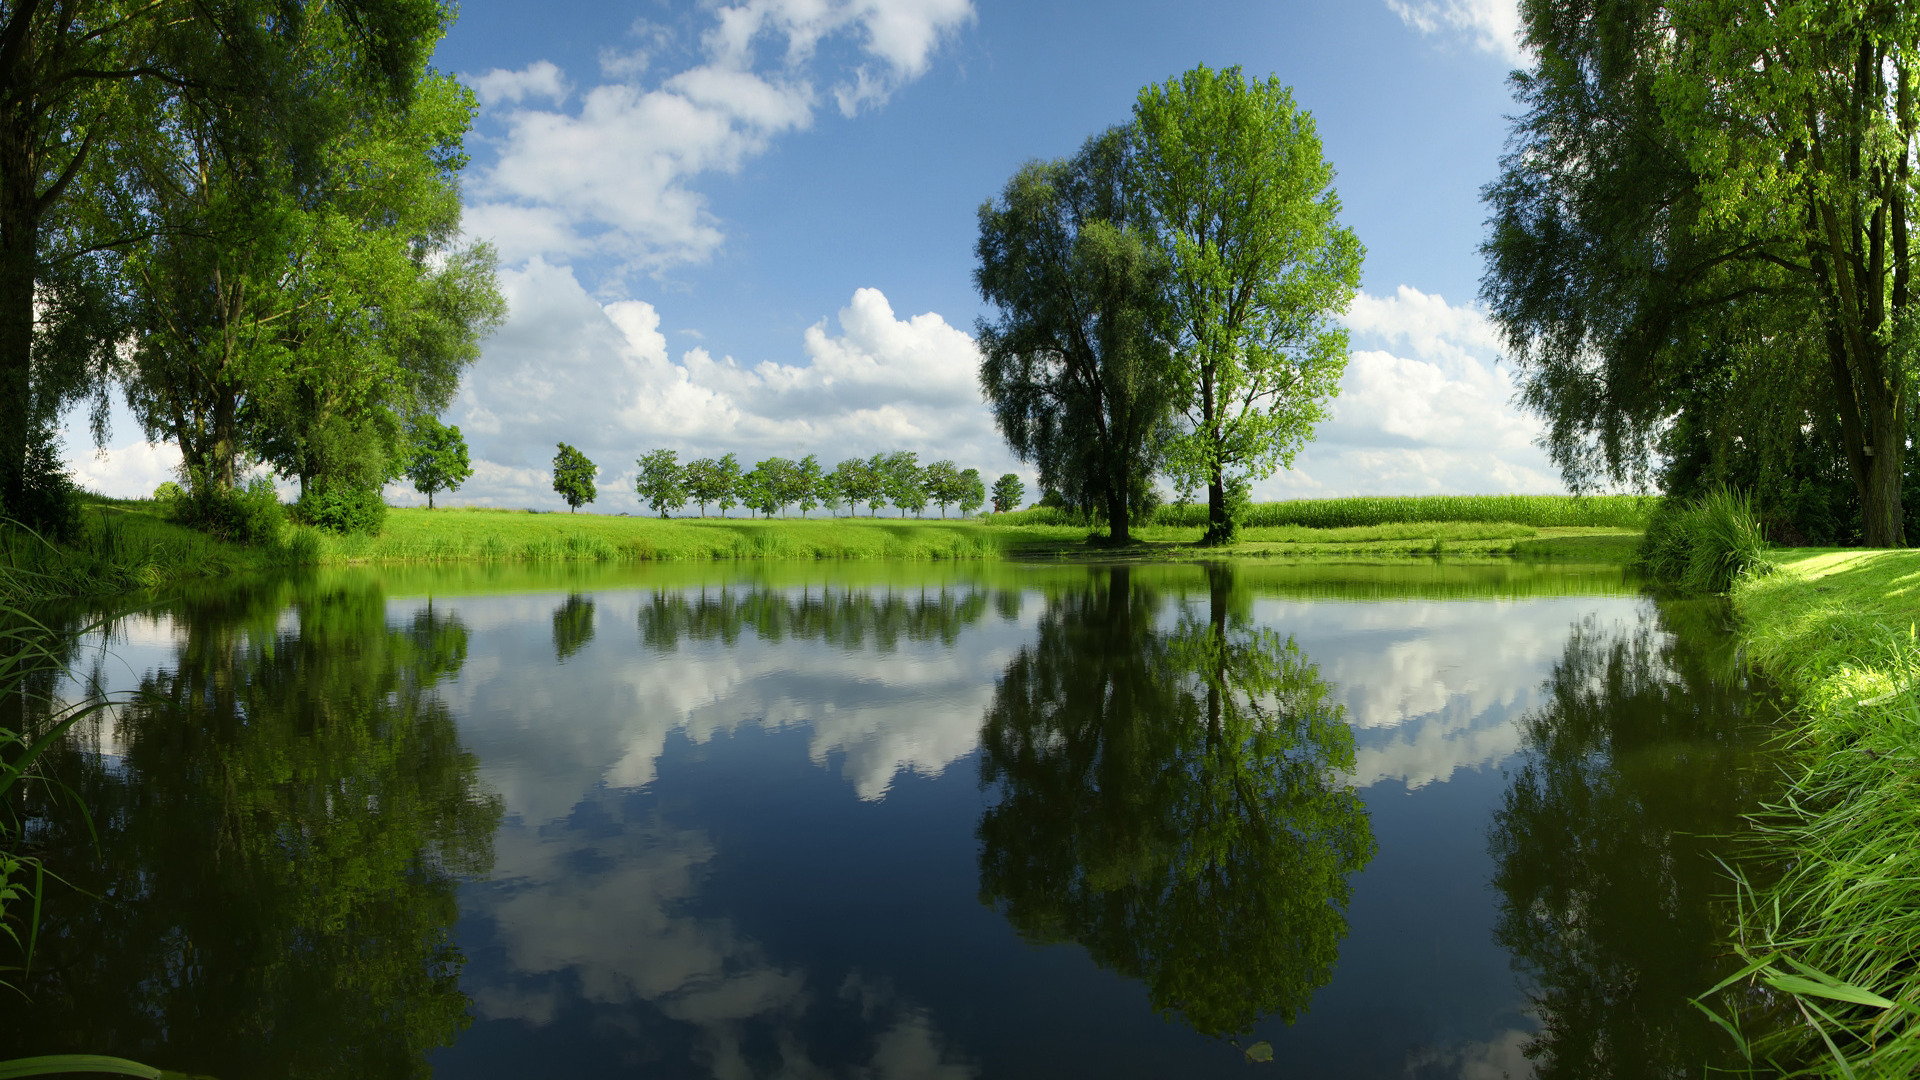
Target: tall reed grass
column 1829, row 907
column 1707, row 544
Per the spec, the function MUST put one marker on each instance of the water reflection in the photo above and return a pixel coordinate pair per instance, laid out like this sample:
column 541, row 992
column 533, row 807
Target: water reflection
column 1175, row 801
column 572, row 626
column 279, row 837
column 1642, row 755
column 844, row 618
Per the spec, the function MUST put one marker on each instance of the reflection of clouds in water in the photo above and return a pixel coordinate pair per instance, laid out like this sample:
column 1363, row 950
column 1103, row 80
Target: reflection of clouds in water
column 595, row 909
column 1433, row 687
column 913, row 708
column 1503, row 1057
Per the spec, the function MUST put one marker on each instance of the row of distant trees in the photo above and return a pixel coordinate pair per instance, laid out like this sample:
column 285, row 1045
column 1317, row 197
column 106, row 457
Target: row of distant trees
column 898, row 479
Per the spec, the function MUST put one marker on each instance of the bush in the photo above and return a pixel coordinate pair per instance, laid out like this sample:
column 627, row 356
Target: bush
column 243, row 515
column 343, row 508
column 1706, row 544
column 49, row 503
column 168, row 492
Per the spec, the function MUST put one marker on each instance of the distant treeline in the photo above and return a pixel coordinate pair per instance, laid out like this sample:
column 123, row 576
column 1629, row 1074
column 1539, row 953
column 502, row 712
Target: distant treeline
column 770, row 487
column 1539, row 511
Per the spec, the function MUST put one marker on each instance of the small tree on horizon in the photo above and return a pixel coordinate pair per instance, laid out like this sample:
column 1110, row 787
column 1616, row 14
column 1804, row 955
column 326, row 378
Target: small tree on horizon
column 905, row 482
column 662, row 481
column 973, row 492
column 809, row 484
column 727, row 481
column 875, row 480
column 573, row 477
column 941, row 481
column 1008, row 493
column 702, row 480
column 439, row 459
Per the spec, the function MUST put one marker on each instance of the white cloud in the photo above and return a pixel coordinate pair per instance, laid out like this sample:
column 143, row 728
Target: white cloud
column 1428, row 411
column 599, row 376
column 1491, row 25
column 128, row 471
column 541, row 80
column 615, row 176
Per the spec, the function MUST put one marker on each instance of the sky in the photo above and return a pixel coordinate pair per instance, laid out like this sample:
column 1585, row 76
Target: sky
column 748, row 228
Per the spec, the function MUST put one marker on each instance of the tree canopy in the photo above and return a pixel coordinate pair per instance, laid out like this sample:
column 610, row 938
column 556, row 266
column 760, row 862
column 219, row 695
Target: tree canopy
column 1240, row 198
column 1076, row 366
column 573, row 477
column 1699, row 250
column 438, row 457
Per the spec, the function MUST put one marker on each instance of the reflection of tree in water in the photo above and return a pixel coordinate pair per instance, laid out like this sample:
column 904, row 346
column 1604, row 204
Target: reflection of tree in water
column 1641, row 756
column 1175, row 802
column 844, row 617
column 279, row 841
column 572, row 626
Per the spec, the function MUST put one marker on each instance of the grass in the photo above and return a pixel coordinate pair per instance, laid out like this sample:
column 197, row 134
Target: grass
column 1539, row 511
column 1833, row 938
column 129, row 545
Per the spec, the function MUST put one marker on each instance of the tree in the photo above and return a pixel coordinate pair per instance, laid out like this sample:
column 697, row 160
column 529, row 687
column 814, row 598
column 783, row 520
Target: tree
column 702, row 482
column 439, row 457
column 1008, row 493
column 875, row 478
column 809, row 484
column 1077, row 367
column 904, row 481
column 86, row 86
column 943, row 486
column 1701, row 236
column 770, row 486
column 857, row 482
column 1241, row 200
column 727, row 483
column 573, row 477
column 973, row 492
column 662, row 482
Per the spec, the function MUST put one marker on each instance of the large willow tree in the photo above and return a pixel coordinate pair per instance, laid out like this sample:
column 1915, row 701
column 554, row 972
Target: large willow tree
column 1703, row 227
column 75, row 77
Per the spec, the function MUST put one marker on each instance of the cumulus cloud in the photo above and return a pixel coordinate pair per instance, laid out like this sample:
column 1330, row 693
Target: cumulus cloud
column 1490, row 25
column 614, row 177
column 1428, row 409
column 600, row 376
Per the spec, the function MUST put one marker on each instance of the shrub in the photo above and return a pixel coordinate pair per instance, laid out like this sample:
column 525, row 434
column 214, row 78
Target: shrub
column 251, row 514
column 168, row 492
column 49, row 503
column 343, row 508
column 1706, row 544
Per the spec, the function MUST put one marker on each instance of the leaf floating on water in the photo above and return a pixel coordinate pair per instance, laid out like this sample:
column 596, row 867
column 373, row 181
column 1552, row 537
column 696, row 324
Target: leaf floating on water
column 1260, row 1051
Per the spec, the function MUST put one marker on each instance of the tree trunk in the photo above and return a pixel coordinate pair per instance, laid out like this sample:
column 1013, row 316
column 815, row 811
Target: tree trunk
column 1219, row 528
column 19, row 249
column 429, row 500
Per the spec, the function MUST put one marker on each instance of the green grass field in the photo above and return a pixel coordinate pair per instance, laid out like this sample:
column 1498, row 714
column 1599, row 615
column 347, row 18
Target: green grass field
column 1830, row 921
column 1540, row 511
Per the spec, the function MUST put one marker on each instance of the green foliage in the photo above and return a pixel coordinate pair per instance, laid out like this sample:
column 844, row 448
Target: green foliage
column 858, row 480
column 972, row 492
column 904, row 482
column 572, row 626
column 168, row 492
column 1707, row 544
column 343, row 508
column 573, row 477
column 1077, row 365
column 46, row 500
column 662, row 483
column 809, row 484
column 250, row 514
column 1008, row 493
column 943, row 485
column 1657, row 302
column 437, row 457
column 1241, row 200
column 726, row 483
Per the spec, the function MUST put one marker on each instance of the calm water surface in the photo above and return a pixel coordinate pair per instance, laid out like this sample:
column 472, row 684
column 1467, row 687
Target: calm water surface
column 1409, row 821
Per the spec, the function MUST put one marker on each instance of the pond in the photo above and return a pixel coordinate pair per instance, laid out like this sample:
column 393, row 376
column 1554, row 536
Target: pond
column 1411, row 819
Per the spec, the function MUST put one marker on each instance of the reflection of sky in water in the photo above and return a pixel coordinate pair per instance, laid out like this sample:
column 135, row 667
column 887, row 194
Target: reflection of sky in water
column 756, row 858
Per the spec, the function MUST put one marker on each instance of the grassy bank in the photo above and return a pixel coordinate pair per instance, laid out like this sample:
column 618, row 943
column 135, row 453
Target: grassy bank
column 127, row 545
column 1539, row 511
column 1834, row 937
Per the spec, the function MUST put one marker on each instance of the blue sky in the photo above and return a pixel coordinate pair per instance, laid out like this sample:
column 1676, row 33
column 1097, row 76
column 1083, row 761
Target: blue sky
column 749, row 227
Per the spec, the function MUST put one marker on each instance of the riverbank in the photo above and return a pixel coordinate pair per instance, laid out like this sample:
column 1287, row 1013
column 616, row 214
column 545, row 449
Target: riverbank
column 129, row 545
column 1836, row 934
